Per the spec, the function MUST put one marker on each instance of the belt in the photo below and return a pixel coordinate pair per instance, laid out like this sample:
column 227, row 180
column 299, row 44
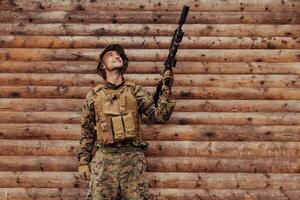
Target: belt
column 122, row 149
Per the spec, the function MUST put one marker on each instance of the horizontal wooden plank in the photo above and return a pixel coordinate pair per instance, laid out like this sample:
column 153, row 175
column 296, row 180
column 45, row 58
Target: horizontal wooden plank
column 89, row 67
column 192, row 194
column 200, row 5
column 220, row 149
column 220, row 133
column 213, row 165
column 166, row 132
column 230, row 30
column 138, row 42
column 44, row 91
column 183, row 118
column 160, row 132
column 224, row 149
column 40, row 148
column 42, row 193
column 191, row 80
column 178, row 92
column 160, row 180
column 162, row 164
column 40, row 131
column 82, row 16
column 38, row 163
column 23, row 104
column 225, row 181
column 41, row 180
column 157, row 194
column 220, row 55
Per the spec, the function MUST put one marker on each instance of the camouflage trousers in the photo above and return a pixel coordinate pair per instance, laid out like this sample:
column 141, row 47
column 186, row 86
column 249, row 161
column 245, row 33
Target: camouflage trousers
column 116, row 176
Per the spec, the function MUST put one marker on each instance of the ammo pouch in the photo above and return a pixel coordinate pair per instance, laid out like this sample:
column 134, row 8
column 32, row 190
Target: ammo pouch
column 124, row 127
column 117, row 117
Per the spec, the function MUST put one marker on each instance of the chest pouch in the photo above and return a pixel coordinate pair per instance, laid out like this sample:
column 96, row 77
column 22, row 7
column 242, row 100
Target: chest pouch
column 103, row 122
column 118, row 116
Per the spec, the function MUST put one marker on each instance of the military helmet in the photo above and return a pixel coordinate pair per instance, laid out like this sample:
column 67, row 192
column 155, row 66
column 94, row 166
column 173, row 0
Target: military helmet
column 112, row 47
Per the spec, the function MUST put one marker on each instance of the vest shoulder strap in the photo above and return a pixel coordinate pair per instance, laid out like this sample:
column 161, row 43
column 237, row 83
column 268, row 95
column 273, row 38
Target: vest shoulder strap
column 98, row 87
column 129, row 83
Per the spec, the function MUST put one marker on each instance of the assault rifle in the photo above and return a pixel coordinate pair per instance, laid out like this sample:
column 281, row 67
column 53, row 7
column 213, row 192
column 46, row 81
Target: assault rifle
column 171, row 60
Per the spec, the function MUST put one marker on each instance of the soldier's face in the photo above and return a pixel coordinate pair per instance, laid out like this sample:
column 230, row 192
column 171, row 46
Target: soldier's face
column 112, row 60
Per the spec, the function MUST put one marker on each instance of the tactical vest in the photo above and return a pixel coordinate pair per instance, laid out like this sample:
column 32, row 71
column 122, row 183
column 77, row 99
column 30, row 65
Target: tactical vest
column 117, row 117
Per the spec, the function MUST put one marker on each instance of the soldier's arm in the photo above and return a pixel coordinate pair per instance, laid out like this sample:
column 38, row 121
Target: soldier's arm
column 165, row 105
column 88, row 133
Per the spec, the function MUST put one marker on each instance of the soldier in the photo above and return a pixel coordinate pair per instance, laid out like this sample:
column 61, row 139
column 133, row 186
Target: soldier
column 111, row 150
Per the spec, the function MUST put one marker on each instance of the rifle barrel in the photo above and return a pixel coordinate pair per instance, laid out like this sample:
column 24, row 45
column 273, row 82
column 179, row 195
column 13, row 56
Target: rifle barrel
column 183, row 15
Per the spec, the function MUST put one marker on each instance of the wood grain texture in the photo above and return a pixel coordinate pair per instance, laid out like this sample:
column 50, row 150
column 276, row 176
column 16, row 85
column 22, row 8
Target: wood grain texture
column 157, row 194
column 160, row 180
column 231, row 55
column 193, row 80
column 234, row 133
column 81, row 29
column 89, row 67
column 139, row 42
column 169, row 132
column 223, row 149
column 60, row 91
column 168, row 5
column 187, row 105
column 161, row 164
column 183, row 118
column 119, row 17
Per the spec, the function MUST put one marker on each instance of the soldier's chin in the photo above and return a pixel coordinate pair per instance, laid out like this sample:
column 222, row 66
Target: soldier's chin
column 115, row 67
column 118, row 66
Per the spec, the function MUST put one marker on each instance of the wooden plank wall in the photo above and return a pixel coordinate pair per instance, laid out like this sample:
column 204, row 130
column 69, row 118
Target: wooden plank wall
column 235, row 131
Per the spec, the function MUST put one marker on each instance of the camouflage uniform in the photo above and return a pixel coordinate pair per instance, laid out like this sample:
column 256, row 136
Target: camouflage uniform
column 114, row 172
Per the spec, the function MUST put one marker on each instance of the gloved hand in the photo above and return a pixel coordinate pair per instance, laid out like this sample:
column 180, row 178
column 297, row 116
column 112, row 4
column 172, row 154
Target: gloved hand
column 84, row 171
column 168, row 77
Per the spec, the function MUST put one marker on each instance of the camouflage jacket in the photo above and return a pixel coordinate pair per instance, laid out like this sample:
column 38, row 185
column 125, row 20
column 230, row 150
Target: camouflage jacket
column 146, row 106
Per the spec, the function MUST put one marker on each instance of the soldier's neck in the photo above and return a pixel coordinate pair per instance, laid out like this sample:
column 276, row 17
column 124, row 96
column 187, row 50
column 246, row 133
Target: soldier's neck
column 114, row 77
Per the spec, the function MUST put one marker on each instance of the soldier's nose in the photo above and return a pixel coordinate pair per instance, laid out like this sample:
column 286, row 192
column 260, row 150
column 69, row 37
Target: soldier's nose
column 117, row 58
